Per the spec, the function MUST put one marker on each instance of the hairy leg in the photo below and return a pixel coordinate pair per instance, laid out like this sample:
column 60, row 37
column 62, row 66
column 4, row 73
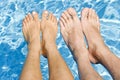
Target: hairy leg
column 97, row 49
column 72, row 33
column 31, row 31
column 57, row 67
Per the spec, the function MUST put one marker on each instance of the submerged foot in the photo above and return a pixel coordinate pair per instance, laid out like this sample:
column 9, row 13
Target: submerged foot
column 31, row 30
column 49, row 30
column 72, row 31
column 91, row 29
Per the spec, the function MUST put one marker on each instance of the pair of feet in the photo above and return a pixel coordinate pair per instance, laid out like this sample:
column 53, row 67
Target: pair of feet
column 73, row 30
column 32, row 27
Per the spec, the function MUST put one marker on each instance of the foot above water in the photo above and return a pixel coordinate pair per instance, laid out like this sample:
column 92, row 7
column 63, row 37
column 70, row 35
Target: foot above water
column 72, row 31
column 91, row 29
column 49, row 31
column 31, row 30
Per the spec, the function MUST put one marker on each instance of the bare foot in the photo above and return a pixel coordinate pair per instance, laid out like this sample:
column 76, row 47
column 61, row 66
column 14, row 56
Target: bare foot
column 31, row 31
column 49, row 30
column 91, row 29
column 72, row 31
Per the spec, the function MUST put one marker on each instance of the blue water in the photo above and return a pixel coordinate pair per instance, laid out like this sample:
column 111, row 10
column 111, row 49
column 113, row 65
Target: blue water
column 13, row 48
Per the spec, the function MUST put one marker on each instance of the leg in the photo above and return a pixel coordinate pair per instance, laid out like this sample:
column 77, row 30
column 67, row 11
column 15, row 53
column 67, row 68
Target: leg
column 57, row 67
column 72, row 33
column 98, row 50
column 31, row 31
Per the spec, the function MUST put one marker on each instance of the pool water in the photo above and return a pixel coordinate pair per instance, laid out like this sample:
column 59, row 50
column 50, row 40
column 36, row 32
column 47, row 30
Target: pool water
column 13, row 48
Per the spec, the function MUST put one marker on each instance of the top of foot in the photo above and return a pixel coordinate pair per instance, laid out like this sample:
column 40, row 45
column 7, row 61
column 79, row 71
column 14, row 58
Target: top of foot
column 71, row 29
column 49, row 30
column 31, row 30
column 91, row 29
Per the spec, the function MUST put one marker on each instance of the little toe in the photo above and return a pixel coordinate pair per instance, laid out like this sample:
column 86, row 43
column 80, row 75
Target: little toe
column 27, row 18
column 55, row 19
column 35, row 16
column 94, row 14
column 44, row 15
column 23, row 23
column 98, row 22
column 62, row 28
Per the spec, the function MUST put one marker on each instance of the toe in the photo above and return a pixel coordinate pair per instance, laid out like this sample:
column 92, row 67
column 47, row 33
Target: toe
column 27, row 18
column 63, row 21
column 62, row 28
column 84, row 14
column 68, row 15
column 55, row 19
column 30, row 16
column 90, row 14
column 93, row 14
column 65, row 36
column 72, row 12
column 64, row 17
column 50, row 16
column 44, row 15
column 23, row 23
column 98, row 22
column 95, row 17
column 35, row 16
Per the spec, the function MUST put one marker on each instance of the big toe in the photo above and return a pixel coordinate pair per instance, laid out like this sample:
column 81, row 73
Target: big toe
column 44, row 15
column 35, row 16
column 84, row 14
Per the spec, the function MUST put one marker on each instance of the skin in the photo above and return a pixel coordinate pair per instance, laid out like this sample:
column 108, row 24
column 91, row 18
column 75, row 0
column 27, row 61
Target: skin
column 31, row 31
column 58, row 70
column 97, row 48
column 71, row 29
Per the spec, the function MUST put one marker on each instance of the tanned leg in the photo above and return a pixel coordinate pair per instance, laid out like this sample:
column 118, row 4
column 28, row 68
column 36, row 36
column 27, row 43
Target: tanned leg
column 72, row 33
column 31, row 31
column 98, row 50
column 58, row 69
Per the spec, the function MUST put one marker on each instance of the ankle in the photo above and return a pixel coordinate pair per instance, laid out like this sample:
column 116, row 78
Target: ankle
column 101, row 51
column 34, row 46
column 78, row 53
column 50, row 45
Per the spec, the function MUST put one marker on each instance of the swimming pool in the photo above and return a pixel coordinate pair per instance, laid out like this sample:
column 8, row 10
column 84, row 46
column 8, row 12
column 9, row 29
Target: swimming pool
column 13, row 48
